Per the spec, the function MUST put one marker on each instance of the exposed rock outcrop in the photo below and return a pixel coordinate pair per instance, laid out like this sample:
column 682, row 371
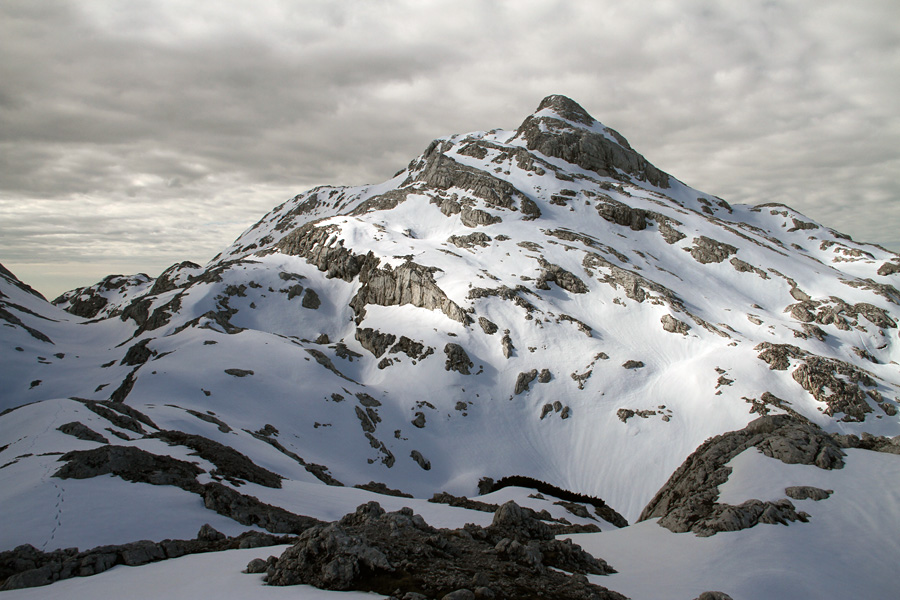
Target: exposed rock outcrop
column 838, row 384
column 804, row 492
column 457, row 359
column 374, row 341
column 584, row 147
column 488, row 326
column 82, row 432
column 410, row 283
column 673, row 325
column 400, row 555
column 564, row 279
column 26, row 566
column 524, row 379
column 470, row 241
column 707, row 250
column 687, row 502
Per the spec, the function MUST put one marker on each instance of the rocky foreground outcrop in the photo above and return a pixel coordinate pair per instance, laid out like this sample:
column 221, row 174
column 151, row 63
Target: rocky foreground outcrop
column 398, row 554
column 687, row 502
column 26, row 566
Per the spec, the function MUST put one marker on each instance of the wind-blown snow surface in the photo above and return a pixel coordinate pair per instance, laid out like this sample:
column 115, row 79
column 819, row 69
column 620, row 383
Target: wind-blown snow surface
column 640, row 304
column 847, row 550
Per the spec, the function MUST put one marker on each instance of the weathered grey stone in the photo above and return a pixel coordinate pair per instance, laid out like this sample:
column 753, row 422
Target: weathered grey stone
column 326, row 362
column 529, row 208
column 622, row 214
column 82, row 432
column 457, row 359
column 420, row 460
column 367, row 423
column 524, row 379
column 587, row 149
column 141, row 553
column 400, row 555
column 544, row 376
column 419, row 421
column 469, row 241
column 410, row 283
column 707, row 250
column 488, row 326
column 129, row 463
column 582, row 326
column 673, row 325
column 688, row 500
column 443, row 172
column 137, row 354
column 475, row 217
column 744, row 267
column 208, row 533
column 561, row 277
column 230, row 464
column 239, row 372
column 889, row 268
column 374, row 341
column 804, row 492
column 257, row 565
column 414, row 350
column 311, row 299
column 321, row 247
column 507, row 345
column 624, row 414
column 633, row 364
column 713, row 596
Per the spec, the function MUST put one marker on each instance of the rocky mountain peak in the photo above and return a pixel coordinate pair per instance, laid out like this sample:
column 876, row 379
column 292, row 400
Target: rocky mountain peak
column 541, row 304
column 561, row 128
column 566, row 108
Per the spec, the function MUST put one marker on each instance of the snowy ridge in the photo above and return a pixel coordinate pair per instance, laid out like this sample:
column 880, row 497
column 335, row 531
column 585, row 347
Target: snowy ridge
column 539, row 302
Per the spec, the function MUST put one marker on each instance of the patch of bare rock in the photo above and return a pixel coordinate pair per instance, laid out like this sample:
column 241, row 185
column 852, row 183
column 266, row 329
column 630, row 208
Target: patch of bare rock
column 399, row 555
column 688, row 501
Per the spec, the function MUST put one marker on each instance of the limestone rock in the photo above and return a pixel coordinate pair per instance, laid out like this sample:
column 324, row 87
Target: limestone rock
column 561, row 277
column 311, row 299
column 673, row 325
column 488, row 326
column 707, row 250
column 552, row 136
column 507, row 345
column 687, row 502
column 524, row 379
column 410, row 283
column 804, row 492
column 457, row 359
column 374, row 341
column 420, row 460
column 469, row 241
column 82, row 432
column 399, row 555
column 889, row 268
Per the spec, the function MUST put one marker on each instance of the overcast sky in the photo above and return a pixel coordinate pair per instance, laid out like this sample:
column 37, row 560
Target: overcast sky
column 137, row 134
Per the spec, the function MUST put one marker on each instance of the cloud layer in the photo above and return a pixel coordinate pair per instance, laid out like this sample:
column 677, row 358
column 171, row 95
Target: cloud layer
column 138, row 134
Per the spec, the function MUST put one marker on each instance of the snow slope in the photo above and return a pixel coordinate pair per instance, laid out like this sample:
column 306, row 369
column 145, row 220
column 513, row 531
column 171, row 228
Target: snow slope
column 539, row 302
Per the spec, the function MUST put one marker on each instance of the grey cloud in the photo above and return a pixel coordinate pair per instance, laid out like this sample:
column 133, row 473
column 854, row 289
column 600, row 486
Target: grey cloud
column 162, row 115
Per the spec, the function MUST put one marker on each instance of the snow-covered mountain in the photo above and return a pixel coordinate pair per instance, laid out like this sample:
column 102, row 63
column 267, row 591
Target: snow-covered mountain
column 540, row 302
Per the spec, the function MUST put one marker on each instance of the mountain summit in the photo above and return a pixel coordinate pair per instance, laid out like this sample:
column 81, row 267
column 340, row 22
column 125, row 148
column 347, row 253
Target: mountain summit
column 539, row 303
